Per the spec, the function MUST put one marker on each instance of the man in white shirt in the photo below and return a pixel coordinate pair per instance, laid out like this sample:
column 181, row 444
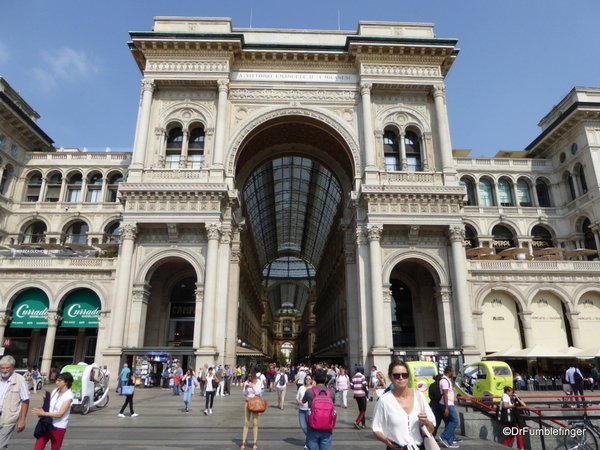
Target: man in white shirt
column 14, row 401
column 447, row 409
column 575, row 378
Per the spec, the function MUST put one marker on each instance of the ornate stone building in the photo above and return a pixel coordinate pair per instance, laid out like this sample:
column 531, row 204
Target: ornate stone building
column 299, row 189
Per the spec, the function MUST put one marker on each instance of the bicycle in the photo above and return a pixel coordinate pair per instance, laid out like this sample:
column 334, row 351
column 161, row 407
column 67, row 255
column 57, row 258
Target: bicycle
column 582, row 438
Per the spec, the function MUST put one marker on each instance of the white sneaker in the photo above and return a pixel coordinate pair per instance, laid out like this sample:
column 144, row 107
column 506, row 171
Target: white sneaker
column 121, row 415
column 210, row 412
column 134, row 415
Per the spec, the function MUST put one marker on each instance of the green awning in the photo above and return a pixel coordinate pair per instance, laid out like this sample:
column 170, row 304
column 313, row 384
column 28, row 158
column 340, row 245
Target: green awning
column 81, row 309
column 30, row 310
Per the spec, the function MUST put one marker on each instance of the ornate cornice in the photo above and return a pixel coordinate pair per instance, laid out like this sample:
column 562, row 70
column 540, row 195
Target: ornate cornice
column 164, row 66
column 396, row 70
column 293, row 95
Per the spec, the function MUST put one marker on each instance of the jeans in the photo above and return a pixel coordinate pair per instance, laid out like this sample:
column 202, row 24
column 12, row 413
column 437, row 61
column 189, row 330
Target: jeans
column 318, row 439
column 451, row 423
column 578, row 390
column 120, row 385
column 303, row 419
column 437, row 412
column 175, row 389
column 187, row 396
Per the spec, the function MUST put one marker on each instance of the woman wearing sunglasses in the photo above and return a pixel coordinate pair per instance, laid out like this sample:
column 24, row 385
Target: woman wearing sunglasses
column 400, row 412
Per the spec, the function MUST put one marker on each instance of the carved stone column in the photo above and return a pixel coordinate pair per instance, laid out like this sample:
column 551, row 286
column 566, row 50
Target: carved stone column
column 184, row 149
column 573, row 318
column 53, row 321
column 233, row 297
column 425, row 144
column 207, row 332
column 443, row 301
column 198, row 314
column 403, row 161
column 441, row 115
column 461, row 299
column 137, row 318
column 374, row 236
column 221, row 124
column 161, row 146
column 123, row 284
column 43, row 188
column 141, row 135
column 368, row 135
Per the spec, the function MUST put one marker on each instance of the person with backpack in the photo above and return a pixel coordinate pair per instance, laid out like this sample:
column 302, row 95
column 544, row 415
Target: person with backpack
column 575, row 379
column 361, row 390
column 321, row 413
column 281, row 380
column 435, row 395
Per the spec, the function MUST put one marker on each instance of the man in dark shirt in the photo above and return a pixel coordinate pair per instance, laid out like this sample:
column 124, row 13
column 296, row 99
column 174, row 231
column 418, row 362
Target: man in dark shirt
column 318, row 439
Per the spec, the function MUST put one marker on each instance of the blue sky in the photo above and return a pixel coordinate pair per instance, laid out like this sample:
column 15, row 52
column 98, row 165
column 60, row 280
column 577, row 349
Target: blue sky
column 70, row 61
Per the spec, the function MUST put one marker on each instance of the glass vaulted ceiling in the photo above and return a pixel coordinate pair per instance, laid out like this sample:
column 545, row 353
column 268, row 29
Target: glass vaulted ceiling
column 291, row 204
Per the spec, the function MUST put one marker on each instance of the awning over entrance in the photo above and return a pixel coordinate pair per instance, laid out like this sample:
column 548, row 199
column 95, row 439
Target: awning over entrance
column 81, row 309
column 241, row 351
column 30, row 310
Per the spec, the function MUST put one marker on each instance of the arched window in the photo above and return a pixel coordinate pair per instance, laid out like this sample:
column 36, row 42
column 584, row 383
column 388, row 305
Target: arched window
column 53, row 189
column 413, row 151
column 35, row 233
column 470, row 237
column 503, row 238
column 486, row 193
column 582, row 180
column 113, row 187
column 571, row 184
column 75, row 183
column 4, row 181
column 287, row 328
column 174, row 144
column 523, row 193
column 94, row 188
column 588, row 236
column 77, row 233
column 113, row 234
column 543, row 195
column 34, row 186
column 391, row 151
column 468, row 184
column 196, row 148
column 542, row 238
column 505, row 193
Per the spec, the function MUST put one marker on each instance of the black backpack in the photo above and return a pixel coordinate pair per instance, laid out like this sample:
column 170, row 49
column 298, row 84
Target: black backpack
column 435, row 394
column 577, row 377
column 281, row 379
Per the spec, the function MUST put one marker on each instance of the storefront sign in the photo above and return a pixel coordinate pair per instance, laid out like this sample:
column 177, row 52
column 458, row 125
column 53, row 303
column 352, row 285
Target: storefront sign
column 30, row 310
column 6, row 342
column 81, row 309
column 180, row 310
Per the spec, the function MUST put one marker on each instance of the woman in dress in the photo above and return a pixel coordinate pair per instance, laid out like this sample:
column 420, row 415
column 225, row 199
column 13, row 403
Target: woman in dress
column 400, row 412
column 509, row 402
column 128, row 398
column 60, row 409
column 303, row 410
column 188, row 383
column 212, row 382
column 342, row 383
column 251, row 388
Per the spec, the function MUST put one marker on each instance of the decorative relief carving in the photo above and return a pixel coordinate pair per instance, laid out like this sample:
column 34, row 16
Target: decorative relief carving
column 153, row 236
column 430, row 237
column 439, row 90
column 365, row 88
column 225, row 237
column 456, row 233
column 188, row 66
column 128, row 231
column 148, row 85
column 361, row 236
column 401, row 70
column 394, row 237
column 293, row 95
column 188, row 95
column 374, row 232
column 213, row 231
column 192, row 235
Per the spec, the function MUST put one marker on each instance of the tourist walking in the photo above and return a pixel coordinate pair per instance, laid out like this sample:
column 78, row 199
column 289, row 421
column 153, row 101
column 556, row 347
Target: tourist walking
column 59, row 410
column 318, row 439
column 251, row 388
column 447, row 408
column 177, row 376
column 281, row 381
column 212, row 382
column 510, row 402
column 202, row 379
column 361, row 391
column 188, row 382
column 303, row 410
column 400, row 413
column 14, row 399
column 128, row 396
column 342, row 384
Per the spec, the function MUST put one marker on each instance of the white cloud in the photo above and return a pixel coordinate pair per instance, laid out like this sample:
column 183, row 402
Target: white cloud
column 65, row 64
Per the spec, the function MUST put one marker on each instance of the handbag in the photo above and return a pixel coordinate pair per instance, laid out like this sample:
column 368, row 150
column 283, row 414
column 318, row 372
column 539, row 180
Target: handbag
column 257, row 405
column 215, row 384
column 44, row 424
column 429, row 441
column 127, row 390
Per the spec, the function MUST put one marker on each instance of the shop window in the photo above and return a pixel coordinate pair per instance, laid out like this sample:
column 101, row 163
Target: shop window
column 75, row 184
column 34, row 187
column 543, row 195
column 486, row 193
column 391, row 151
column 468, row 184
column 413, row 151
column 113, row 187
column 503, row 238
column 470, row 237
column 523, row 193
column 94, row 188
column 542, row 238
column 505, row 194
column 35, row 233
column 53, row 189
column 77, row 233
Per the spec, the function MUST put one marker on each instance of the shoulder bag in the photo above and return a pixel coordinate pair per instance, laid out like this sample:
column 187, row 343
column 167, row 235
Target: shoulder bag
column 257, row 405
column 429, row 441
column 127, row 390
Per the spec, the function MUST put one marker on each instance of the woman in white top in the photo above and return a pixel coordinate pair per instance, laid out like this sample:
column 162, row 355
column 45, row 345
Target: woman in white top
column 60, row 409
column 281, row 381
column 252, row 388
column 399, row 413
column 303, row 410
column 342, row 383
column 212, row 382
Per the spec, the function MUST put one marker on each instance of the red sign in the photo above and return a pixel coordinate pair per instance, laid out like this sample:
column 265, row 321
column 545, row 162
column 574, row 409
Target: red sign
column 6, row 342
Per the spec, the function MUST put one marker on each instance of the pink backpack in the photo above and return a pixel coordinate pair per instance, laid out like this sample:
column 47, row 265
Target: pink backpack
column 322, row 415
